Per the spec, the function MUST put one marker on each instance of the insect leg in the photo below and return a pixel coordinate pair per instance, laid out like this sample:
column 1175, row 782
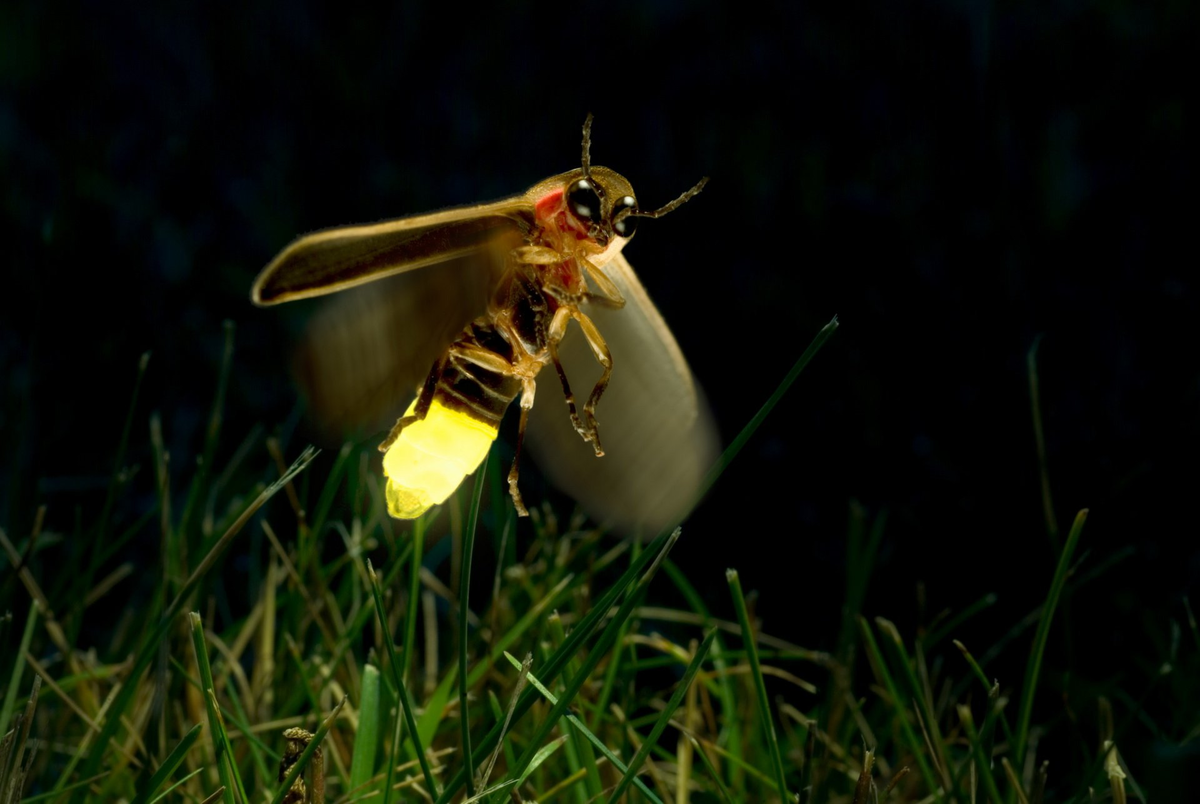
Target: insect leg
column 424, row 400
column 555, row 333
column 481, row 357
column 610, row 294
column 513, row 473
column 604, row 358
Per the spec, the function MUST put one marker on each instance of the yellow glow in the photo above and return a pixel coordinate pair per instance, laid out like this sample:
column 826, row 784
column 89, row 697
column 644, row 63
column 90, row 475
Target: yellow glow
column 431, row 457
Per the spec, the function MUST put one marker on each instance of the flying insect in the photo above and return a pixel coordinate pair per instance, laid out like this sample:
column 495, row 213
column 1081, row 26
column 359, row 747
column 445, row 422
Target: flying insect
column 477, row 300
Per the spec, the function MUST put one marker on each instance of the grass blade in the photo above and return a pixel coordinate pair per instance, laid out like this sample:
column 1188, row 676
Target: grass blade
column 921, row 704
column 635, row 764
column 982, row 763
column 149, row 648
column 577, row 723
column 736, row 445
column 366, row 740
column 915, row 745
column 171, row 789
column 169, row 765
column 712, row 771
column 216, row 730
column 464, row 595
column 748, row 640
column 405, row 702
column 574, row 642
column 1039, row 437
column 1034, row 666
column 603, row 644
column 18, row 670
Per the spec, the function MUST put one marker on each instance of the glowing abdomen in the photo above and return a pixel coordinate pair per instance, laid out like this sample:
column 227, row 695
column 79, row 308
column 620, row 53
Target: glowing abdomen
column 431, row 457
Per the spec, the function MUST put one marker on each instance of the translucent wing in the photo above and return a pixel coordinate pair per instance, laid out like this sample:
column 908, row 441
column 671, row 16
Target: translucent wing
column 658, row 433
column 335, row 259
column 365, row 351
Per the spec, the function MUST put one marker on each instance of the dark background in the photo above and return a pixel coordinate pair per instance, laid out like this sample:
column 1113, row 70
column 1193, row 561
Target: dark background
column 954, row 180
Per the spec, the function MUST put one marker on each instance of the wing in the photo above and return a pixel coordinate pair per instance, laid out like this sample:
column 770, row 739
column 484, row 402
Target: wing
column 335, row 259
column 658, row 433
column 364, row 352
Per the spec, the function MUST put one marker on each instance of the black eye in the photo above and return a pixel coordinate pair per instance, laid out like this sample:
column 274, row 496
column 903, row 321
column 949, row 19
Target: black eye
column 625, row 226
column 584, row 201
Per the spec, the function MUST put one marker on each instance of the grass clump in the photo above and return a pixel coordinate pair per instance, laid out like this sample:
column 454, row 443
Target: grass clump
column 336, row 655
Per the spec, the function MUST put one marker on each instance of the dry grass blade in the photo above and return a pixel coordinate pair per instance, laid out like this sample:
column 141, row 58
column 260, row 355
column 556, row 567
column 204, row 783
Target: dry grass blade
column 518, row 688
column 862, row 788
column 14, row 765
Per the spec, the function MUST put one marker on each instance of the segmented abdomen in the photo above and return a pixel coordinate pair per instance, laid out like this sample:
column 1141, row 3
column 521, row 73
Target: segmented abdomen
column 430, row 458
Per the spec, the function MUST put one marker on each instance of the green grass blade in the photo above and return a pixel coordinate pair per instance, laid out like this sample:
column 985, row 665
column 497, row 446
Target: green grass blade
column 405, row 702
column 149, row 648
column 730, row 735
column 49, row 794
column 576, row 745
column 115, row 481
column 464, row 596
column 698, row 750
column 921, row 703
column 941, row 632
column 579, row 724
column 1039, row 438
column 736, row 445
column 241, row 719
column 760, row 688
column 366, row 739
column 414, row 596
column 574, row 642
column 982, row 763
column 391, row 766
column 329, row 490
column 915, row 745
column 1191, row 618
column 1034, row 667
column 170, row 789
column 242, row 723
column 603, row 644
column 216, row 730
column 987, row 686
column 498, row 715
column 635, row 764
column 211, row 434
column 541, row 756
column 18, row 670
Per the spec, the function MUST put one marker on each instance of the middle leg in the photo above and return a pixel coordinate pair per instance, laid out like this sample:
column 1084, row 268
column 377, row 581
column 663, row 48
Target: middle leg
column 555, row 334
column 604, row 358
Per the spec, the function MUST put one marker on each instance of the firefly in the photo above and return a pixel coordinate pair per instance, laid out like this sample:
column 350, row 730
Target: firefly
column 479, row 299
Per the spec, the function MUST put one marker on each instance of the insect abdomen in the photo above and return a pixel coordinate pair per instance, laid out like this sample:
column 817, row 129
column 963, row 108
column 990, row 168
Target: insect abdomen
column 432, row 456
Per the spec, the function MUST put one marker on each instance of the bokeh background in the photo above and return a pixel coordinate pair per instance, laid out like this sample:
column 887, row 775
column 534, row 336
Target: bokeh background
column 956, row 181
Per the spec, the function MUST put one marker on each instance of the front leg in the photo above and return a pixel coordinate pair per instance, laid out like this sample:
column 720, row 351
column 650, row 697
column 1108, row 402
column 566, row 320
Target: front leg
column 610, row 294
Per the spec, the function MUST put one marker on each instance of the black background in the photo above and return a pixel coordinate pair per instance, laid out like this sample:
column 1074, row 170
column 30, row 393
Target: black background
column 954, row 180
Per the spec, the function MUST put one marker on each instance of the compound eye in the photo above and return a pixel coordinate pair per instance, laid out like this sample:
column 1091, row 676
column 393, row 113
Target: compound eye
column 584, row 201
column 625, row 226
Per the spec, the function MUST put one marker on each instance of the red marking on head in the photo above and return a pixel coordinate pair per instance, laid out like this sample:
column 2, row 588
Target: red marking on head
column 547, row 205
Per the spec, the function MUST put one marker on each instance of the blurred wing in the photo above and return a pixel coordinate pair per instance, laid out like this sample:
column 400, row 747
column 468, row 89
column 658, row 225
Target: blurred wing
column 658, row 433
column 340, row 258
column 365, row 351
